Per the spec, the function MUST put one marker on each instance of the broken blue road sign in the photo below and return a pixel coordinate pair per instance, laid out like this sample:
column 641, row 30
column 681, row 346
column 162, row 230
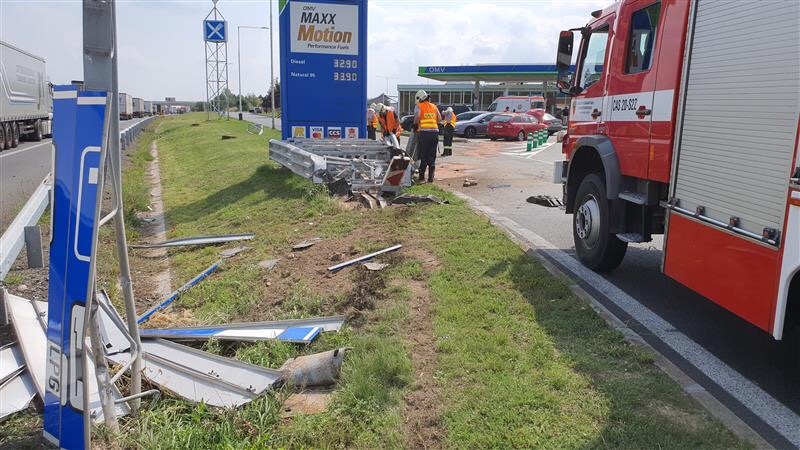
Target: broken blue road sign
column 80, row 130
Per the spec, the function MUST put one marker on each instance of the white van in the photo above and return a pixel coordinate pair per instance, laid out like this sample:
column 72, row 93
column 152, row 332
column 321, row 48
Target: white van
column 517, row 103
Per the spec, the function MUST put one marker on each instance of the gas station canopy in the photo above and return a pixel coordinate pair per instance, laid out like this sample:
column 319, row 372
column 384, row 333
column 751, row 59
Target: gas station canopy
column 491, row 73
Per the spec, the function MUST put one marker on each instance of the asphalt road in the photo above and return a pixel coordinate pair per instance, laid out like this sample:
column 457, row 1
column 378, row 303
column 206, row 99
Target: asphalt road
column 507, row 176
column 21, row 171
column 262, row 119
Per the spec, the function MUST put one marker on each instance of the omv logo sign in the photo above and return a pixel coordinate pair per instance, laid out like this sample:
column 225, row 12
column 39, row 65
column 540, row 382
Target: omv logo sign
column 435, row 69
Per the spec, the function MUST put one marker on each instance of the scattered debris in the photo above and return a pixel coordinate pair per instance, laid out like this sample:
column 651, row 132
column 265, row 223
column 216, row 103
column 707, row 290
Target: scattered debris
column 307, row 243
column 268, row 264
column 11, row 361
column 470, row 182
column 319, row 369
column 255, row 128
column 225, row 137
column 374, row 266
column 372, row 201
column 406, row 199
column 545, row 200
column 29, row 319
column 307, row 402
column 300, row 330
column 365, row 165
column 227, row 253
column 199, row 240
column 498, row 186
column 200, row 376
column 16, row 393
column 195, row 124
column 148, row 219
column 363, row 258
column 177, row 293
column 339, row 187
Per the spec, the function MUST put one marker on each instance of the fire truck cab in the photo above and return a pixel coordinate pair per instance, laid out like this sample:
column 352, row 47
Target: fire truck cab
column 684, row 122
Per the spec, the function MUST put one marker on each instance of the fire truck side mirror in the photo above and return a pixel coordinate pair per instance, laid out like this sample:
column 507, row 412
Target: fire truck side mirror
column 563, row 60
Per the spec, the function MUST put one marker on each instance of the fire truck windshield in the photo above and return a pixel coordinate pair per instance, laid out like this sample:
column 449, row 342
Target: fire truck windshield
column 593, row 58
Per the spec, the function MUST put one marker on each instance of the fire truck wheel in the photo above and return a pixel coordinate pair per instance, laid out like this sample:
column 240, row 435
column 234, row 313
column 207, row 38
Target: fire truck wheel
column 596, row 247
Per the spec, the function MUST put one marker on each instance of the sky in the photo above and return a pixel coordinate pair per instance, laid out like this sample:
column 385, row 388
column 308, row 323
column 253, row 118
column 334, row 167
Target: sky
column 161, row 50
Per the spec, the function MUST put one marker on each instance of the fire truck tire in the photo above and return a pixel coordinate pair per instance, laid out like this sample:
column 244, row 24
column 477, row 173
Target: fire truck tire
column 597, row 249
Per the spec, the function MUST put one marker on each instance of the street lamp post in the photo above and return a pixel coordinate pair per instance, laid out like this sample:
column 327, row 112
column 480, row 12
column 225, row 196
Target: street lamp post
column 239, row 59
column 271, row 69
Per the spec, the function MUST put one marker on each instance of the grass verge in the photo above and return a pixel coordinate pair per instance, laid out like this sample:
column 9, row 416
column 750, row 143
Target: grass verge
column 518, row 362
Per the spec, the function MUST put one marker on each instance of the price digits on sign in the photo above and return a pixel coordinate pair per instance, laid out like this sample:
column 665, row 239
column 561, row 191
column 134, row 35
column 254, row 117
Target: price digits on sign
column 345, row 64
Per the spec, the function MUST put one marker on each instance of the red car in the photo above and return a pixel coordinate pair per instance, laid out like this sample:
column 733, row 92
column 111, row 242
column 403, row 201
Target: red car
column 513, row 126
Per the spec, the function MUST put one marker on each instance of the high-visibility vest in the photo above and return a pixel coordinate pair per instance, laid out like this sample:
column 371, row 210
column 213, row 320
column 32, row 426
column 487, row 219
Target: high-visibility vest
column 427, row 116
column 390, row 123
column 452, row 118
column 372, row 118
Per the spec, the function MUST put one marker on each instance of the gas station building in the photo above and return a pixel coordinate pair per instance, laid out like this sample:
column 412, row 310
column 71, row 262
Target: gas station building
column 479, row 85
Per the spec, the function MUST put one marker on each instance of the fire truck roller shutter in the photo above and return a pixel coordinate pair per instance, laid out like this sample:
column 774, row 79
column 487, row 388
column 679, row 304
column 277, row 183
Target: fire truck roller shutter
column 740, row 113
column 584, row 160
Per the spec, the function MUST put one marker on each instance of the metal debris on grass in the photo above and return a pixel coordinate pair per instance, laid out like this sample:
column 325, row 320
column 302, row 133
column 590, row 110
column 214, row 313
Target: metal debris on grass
column 307, row 243
column 545, row 200
column 227, row 253
column 198, row 240
column 178, row 292
column 406, row 199
column 301, row 331
column 364, row 258
column 256, row 129
column 372, row 266
column 319, row 369
column 225, row 137
column 470, row 182
column 268, row 264
column 200, row 376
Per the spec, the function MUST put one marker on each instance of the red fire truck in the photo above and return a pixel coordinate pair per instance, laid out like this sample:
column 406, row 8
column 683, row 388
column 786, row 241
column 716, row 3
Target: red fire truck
column 684, row 122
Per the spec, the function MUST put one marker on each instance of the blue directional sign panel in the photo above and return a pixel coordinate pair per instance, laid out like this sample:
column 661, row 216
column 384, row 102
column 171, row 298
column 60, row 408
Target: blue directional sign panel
column 78, row 136
column 323, row 68
column 215, row 30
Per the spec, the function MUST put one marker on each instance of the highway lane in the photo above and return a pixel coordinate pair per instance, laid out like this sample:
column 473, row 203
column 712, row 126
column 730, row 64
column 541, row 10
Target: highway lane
column 22, row 169
column 772, row 366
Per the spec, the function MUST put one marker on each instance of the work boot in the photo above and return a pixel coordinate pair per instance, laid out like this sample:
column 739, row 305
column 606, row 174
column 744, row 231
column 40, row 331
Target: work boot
column 430, row 174
column 421, row 178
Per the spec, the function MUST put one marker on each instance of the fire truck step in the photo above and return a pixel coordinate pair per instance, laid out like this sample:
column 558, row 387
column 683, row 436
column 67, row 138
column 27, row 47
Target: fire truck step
column 632, row 237
column 634, row 197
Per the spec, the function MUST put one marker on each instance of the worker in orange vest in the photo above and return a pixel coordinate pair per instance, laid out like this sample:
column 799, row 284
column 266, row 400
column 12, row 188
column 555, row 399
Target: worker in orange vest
column 427, row 119
column 372, row 121
column 390, row 125
column 449, row 129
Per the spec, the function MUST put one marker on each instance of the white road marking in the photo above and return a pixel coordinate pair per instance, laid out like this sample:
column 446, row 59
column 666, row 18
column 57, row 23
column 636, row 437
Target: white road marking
column 523, row 150
column 20, row 150
column 774, row 413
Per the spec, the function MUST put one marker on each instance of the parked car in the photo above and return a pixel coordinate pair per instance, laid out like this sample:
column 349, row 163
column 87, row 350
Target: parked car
column 517, row 103
column 457, row 108
column 513, row 126
column 468, row 115
column 554, row 124
column 475, row 126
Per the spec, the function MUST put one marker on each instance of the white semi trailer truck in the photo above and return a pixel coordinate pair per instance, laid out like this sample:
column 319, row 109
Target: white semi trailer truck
column 138, row 107
column 125, row 106
column 26, row 99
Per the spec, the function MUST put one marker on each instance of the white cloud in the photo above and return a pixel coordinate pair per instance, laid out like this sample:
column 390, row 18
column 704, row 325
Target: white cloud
column 161, row 50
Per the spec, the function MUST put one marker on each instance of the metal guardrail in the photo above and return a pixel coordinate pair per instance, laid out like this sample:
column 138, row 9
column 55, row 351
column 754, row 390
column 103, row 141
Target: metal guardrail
column 128, row 135
column 13, row 239
column 297, row 160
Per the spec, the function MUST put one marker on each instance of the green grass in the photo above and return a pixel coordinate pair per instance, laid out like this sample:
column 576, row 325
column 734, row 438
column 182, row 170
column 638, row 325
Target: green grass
column 520, row 361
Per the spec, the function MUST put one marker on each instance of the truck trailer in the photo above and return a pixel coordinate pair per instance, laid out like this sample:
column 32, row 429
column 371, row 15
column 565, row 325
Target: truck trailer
column 26, row 99
column 138, row 107
column 125, row 106
column 148, row 109
column 684, row 122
